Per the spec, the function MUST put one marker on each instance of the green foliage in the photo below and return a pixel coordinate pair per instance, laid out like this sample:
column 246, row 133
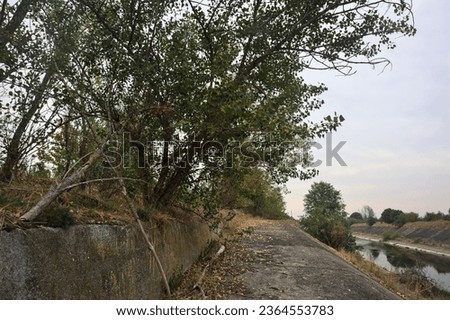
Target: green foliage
column 40, row 170
column 390, row 215
column 369, row 215
column 6, row 200
column 176, row 279
column 403, row 218
column 60, row 217
column 144, row 214
column 390, row 235
column 434, row 216
column 356, row 216
column 227, row 72
column 325, row 198
column 254, row 191
column 331, row 229
column 325, row 217
column 248, row 230
column 371, row 220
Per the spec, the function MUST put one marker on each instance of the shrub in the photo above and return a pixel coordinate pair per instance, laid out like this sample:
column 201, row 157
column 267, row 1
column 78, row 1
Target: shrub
column 403, row 218
column 60, row 217
column 6, row 200
column 144, row 214
column 431, row 216
column 331, row 229
column 389, row 235
column 176, row 279
column 371, row 220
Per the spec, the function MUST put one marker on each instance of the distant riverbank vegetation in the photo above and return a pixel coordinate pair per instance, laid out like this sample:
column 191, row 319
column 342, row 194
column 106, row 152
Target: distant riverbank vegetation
column 395, row 217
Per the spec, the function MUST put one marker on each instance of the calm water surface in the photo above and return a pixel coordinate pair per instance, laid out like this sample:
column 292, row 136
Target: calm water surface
column 436, row 268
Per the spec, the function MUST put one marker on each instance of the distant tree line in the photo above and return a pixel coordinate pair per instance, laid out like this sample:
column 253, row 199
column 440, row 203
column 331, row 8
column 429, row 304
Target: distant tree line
column 396, row 217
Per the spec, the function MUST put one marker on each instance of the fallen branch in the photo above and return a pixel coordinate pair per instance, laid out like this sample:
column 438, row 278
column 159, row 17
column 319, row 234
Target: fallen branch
column 59, row 188
column 198, row 284
column 150, row 246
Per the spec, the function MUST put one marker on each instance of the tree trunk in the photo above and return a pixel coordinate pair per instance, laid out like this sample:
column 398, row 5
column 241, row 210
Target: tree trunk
column 168, row 194
column 146, row 189
column 82, row 151
column 13, row 154
column 7, row 33
column 58, row 189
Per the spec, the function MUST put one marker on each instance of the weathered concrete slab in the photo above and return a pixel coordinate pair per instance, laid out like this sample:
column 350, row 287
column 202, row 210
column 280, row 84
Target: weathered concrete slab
column 408, row 231
column 290, row 264
column 95, row 261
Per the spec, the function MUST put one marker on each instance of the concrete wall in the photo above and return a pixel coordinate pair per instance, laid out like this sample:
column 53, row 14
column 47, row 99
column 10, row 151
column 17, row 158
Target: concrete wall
column 436, row 235
column 95, row 261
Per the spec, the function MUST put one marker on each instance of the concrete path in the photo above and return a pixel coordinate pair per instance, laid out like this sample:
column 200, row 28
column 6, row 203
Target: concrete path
column 289, row 264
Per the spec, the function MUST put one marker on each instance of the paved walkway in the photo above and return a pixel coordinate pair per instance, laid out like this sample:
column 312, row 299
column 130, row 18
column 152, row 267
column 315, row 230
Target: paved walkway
column 289, row 264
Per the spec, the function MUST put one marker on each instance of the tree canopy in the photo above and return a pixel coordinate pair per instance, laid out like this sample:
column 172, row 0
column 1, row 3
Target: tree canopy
column 356, row 216
column 172, row 94
column 324, row 197
column 369, row 215
column 390, row 215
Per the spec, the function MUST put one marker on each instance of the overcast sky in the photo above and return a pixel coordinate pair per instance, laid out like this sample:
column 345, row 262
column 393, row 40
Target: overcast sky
column 397, row 127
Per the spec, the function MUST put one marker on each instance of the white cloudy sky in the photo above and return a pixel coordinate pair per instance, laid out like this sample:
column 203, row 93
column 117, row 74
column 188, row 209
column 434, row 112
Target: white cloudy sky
column 397, row 127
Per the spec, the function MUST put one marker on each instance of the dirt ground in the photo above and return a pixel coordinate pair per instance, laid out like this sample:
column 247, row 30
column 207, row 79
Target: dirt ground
column 266, row 259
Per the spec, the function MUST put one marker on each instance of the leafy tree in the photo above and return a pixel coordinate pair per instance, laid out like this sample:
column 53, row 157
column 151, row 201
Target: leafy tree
column 356, row 216
column 324, row 197
column 433, row 216
column 403, row 218
column 190, row 74
column 369, row 215
column 389, row 215
column 371, row 220
column 39, row 51
column 325, row 217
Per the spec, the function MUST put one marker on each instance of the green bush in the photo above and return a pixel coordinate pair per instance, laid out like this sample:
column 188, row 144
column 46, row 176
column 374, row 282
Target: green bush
column 176, row 279
column 390, row 235
column 371, row 220
column 403, row 218
column 331, row 229
column 60, row 217
column 144, row 214
column 5, row 200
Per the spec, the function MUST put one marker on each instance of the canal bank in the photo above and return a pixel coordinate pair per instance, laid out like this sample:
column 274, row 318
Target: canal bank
column 405, row 261
column 406, row 244
column 429, row 236
column 421, row 247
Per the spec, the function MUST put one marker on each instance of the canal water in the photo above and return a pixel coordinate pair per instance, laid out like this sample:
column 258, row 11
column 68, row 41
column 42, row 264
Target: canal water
column 395, row 259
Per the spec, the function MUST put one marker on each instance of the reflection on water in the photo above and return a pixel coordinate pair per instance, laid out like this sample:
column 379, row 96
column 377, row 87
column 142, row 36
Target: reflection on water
column 436, row 268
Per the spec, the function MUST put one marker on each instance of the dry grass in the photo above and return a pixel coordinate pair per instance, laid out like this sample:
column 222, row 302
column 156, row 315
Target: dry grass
column 87, row 206
column 377, row 224
column 438, row 225
column 409, row 285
